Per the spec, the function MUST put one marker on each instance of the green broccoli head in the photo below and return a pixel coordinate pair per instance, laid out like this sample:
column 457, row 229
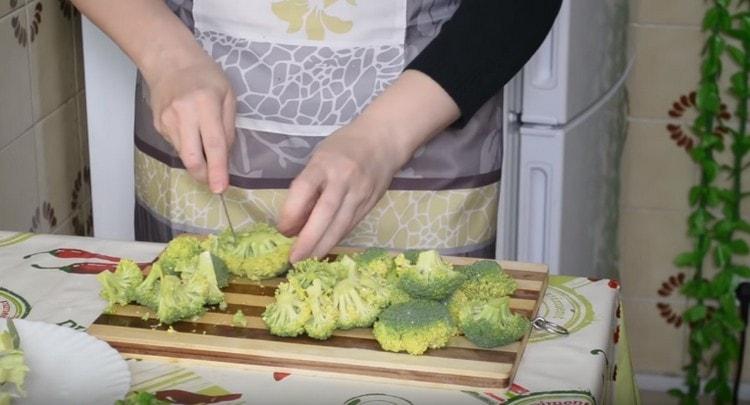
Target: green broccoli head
column 176, row 302
column 414, row 326
column 204, row 280
column 430, row 277
column 485, row 280
column 490, row 323
column 147, row 292
column 180, row 254
column 257, row 254
column 378, row 262
column 324, row 316
column 141, row 398
column 119, row 287
column 357, row 298
column 13, row 368
column 288, row 314
column 306, row 271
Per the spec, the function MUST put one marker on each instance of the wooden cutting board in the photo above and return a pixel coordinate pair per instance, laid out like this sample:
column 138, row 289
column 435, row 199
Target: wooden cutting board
column 350, row 354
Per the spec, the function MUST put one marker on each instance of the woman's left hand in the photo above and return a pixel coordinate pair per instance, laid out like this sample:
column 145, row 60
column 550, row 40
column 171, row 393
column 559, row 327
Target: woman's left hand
column 351, row 169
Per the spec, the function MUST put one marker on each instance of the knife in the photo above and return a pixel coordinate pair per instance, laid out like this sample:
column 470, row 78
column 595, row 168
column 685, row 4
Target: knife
column 226, row 215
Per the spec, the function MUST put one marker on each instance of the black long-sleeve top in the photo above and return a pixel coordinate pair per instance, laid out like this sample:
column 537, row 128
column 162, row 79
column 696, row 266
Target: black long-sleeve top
column 490, row 41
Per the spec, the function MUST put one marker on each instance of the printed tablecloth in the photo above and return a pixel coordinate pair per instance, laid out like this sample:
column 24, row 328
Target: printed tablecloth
column 50, row 278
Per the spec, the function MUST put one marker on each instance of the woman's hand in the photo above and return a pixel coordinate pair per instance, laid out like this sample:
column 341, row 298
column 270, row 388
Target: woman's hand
column 194, row 109
column 351, row 169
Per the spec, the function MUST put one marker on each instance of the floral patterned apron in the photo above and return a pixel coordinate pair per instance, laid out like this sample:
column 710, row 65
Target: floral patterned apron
column 300, row 70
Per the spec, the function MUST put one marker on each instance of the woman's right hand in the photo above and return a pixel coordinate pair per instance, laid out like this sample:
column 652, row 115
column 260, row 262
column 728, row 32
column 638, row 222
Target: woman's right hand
column 194, row 108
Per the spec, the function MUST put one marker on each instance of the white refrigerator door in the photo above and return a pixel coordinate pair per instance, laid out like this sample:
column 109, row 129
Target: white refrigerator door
column 568, row 190
column 581, row 60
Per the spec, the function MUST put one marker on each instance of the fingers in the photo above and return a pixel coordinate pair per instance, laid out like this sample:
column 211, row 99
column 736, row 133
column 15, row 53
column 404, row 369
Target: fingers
column 191, row 150
column 317, row 225
column 228, row 114
column 339, row 227
column 303, row 193
column 212, row 131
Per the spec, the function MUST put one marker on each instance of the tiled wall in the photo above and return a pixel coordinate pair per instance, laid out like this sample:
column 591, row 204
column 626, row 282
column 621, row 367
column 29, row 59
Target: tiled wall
column 656, row 176
column 44, row 180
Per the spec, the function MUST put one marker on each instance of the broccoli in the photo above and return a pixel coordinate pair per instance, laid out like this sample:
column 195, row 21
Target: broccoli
column 13, row 369
column 289, row 313
column 118, row 287
column 141, row 398
column 358, row 297
column 430, row 277
column 177, row 302
column 306, row 271
column 377, row 262
column 147, row 292
column 485, row 280
column 324, row 316
column 204, row 279
column 414, row 327
column 490, row 323
column 180, row 254
column 239, row 319
column 257, row 254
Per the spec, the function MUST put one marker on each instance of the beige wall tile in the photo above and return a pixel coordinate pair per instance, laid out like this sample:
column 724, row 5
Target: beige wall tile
column 15, row 85
column 18, row 174
column 656, row 346
column 649, row 241
column 78, row 47
column 666, row 67
column 656, row 172
column 680, row 12
column 59, row 159
column 6, row 6
column 52, row 57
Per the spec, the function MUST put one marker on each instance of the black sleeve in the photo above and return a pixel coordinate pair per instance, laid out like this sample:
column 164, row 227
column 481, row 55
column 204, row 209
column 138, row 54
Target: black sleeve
column 483, row 46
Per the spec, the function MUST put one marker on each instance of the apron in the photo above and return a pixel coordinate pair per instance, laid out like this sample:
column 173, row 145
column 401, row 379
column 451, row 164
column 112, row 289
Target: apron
column 300, row 70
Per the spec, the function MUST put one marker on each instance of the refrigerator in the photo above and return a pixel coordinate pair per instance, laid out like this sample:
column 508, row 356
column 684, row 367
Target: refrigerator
column 564, row 125
column 565, row 121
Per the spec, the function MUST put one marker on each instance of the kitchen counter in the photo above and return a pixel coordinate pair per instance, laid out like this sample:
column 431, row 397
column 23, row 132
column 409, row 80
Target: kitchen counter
column 50, row 278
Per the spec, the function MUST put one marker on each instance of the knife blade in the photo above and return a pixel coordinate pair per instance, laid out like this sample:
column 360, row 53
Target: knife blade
column 226, row 215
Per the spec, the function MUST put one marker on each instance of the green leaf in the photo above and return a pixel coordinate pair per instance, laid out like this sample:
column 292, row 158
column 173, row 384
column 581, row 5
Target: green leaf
column 708, row 98
column 741, row 271
column 721, row 284
column 740, row 247
column 722, row 254
column 712, row 197
column 711, row 385
column 687, row 259
column 711, row 18
column 738, row 56
column 723, row 228
column 710, row 67
column 739, row 84
column 695, row 194
column 695, row 313
column 710, row 169
column 677, row 393
column 743, row 226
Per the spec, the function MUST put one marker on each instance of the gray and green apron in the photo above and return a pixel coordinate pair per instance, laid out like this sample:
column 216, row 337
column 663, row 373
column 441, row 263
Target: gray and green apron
column 300, row 70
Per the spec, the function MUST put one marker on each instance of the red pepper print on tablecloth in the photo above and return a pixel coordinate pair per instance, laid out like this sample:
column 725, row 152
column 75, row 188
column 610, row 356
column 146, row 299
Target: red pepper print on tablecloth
column 68, row 253
column 186, row 397
column 85, row 267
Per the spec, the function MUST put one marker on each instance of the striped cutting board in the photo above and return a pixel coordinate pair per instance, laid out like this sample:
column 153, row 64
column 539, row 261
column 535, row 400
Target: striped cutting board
column 351, row 353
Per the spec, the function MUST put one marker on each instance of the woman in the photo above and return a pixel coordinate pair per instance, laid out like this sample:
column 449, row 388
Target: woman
column 377, row 121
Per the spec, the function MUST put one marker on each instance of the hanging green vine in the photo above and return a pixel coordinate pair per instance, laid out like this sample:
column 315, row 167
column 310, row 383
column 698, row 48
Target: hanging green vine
column 715, row 221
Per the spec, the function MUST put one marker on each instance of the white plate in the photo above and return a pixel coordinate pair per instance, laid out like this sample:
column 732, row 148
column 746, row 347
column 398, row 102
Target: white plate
column 69, row 367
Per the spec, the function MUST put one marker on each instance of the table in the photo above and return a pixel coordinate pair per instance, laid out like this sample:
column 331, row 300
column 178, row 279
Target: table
column 50, row 278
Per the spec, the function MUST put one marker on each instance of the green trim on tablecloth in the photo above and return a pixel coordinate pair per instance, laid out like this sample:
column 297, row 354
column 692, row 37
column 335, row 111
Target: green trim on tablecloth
column 14, row 239
column 581, row 311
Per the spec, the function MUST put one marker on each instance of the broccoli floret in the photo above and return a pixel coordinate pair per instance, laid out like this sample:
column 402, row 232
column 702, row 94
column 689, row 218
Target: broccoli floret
column 204, row 281
column 430, row 277
column 257, row 254
column 324, row 316
column 398, row 296
column 239, row 319
column 358, row 297
column 119, row 287
column 180, row 254
column 485, row 280
column 177, row 302
column 288, row 314
column 141, row 398
column 377, row 262
column 306, row 271
column 147, row 293
column 414, row 327
column 491, row 323
column 13, row 369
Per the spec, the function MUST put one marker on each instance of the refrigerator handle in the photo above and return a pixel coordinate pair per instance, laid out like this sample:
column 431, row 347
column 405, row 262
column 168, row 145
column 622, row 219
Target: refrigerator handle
column 541, row 70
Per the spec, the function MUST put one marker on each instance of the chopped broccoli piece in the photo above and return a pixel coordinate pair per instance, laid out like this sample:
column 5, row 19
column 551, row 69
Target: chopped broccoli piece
column 430, row 277
column 141, row 398
column 377, row 262
column 177, row 302
column 147, row 293
column 309, row 270
column 414, row 327
column 118, row 287
column 239, row 319
column 257, row 254
column 324, row 315
column 289, row 313
column 13, row 369
column 398, row 296
column 358, row 297
column 485, row 280
column 203, row 280
column 179, row 254
column 491, row 323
